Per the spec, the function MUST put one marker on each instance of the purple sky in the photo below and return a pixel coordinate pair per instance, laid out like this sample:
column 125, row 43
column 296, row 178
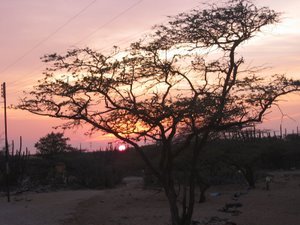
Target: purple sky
column 32, row 28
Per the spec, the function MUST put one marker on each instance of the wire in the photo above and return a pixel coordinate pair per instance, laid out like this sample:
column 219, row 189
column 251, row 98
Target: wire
column 47, row 38
column 16, row 83
column 30, row 76
column 110, row 21
column 62, row 26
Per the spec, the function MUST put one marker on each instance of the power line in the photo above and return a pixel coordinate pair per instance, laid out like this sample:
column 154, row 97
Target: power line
column 29, row 76
column 18, row 83
column 110, row 21
column 47, row 38
column 58, row 29
column 125, row 40
column 7, row 173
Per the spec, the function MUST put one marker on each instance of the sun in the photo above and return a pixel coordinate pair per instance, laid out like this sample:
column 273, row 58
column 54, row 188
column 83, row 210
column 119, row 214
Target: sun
column 122, row 148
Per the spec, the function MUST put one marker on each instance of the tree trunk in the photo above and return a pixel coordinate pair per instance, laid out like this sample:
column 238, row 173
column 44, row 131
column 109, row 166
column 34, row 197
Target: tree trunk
column 250, row 177
column 186, row 213
column 187, row 219
column 203, row 186
column 183, row 216
column 172, row 200
column 203, row 189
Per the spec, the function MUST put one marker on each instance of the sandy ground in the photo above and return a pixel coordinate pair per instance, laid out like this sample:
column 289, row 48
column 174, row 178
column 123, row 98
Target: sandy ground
column 41, row 208
column 130, row 204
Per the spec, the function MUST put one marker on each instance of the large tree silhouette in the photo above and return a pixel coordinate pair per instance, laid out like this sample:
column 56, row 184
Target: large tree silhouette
column 180, row 86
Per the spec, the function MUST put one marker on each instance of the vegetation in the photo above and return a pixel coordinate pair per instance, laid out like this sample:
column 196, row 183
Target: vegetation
column 53, row 143
column 64, row 170
column 105, row 169
column 180, row 88
column 17, row 165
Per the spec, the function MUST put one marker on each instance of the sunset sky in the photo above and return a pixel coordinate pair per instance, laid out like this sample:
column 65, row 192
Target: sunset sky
column 32, row 28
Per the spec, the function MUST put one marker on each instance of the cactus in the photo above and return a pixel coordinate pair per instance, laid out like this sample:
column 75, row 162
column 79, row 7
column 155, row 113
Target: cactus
column 18, row 163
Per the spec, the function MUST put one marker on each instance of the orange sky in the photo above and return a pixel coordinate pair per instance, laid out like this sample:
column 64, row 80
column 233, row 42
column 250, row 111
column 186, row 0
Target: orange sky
column 31, row 28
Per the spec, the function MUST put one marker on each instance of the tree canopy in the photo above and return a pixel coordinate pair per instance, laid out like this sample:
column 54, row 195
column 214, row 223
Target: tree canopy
column 52, row 143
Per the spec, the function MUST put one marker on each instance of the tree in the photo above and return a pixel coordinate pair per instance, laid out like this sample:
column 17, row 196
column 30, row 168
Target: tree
column 52, row 143
column 178, row 88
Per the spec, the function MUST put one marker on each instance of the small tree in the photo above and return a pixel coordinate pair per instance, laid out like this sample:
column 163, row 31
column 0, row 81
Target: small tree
column 171, row 90
column 52, row 143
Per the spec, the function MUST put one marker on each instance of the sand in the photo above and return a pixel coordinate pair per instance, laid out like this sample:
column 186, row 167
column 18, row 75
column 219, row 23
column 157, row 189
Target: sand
column 41, row 208
column 130, row 204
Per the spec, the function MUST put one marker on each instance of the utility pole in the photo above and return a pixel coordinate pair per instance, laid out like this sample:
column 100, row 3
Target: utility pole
column 3, row 94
